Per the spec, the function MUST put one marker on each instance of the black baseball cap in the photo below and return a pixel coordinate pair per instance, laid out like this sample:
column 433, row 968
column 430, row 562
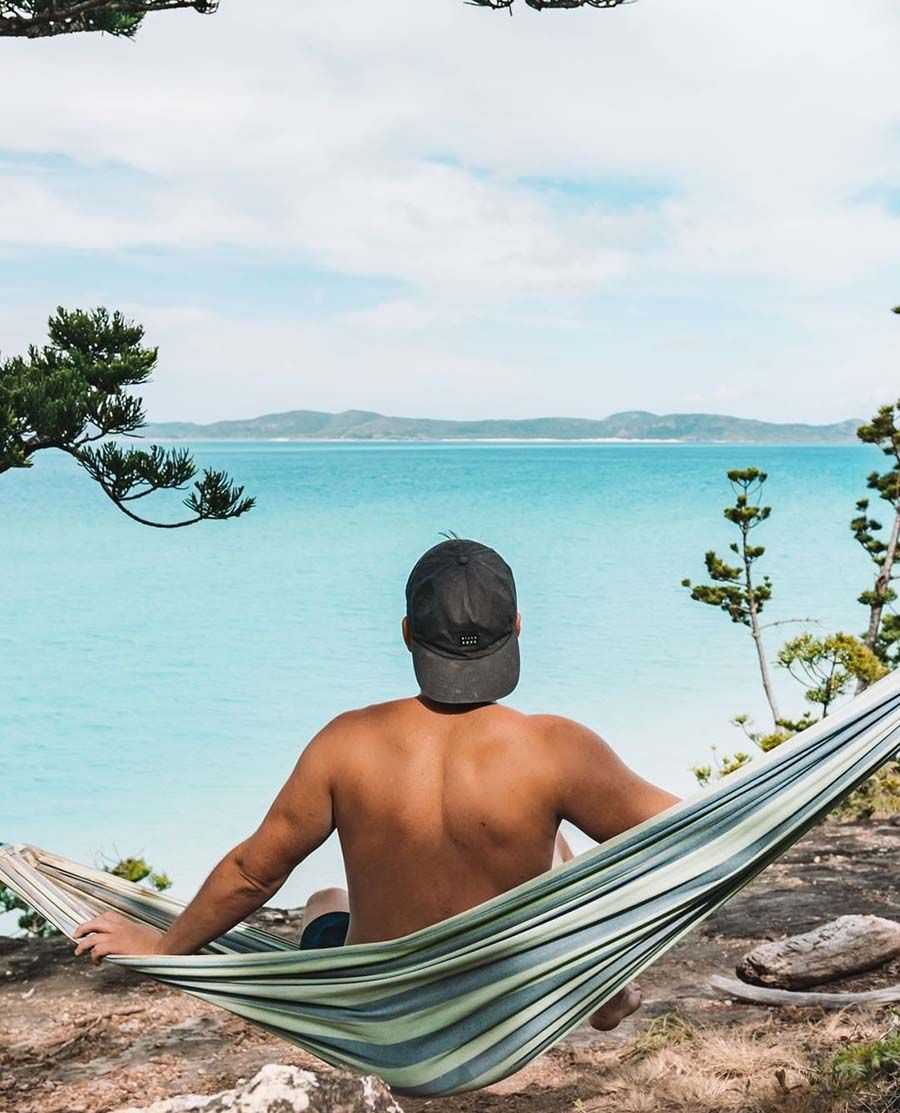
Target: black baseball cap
column 461, row 607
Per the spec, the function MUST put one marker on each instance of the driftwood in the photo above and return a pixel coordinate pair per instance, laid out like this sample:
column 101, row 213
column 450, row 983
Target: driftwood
column 848, row 945
column 759, row 995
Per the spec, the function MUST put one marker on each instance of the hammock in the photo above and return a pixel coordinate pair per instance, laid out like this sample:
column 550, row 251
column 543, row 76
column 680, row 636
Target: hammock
column 471, row 1000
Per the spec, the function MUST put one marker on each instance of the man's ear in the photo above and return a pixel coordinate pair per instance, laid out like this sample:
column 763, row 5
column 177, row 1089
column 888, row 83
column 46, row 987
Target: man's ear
column 407, row 637
column 518, row 624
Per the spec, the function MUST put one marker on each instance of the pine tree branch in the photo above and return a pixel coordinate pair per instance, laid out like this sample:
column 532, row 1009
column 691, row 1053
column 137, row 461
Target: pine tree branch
column 215, row 497
column 40, row 18
column 539, row 5
column 75, row 392
column 790, row 622
column 147, row 521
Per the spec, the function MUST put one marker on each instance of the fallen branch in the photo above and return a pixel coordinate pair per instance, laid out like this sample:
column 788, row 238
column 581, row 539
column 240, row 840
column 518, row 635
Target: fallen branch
column 760, row 995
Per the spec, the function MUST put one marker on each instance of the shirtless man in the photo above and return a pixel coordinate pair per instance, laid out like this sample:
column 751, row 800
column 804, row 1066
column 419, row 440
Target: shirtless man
column 441, row 801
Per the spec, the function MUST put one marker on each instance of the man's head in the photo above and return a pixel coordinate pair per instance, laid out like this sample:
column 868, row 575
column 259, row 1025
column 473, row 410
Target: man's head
column 462, row 624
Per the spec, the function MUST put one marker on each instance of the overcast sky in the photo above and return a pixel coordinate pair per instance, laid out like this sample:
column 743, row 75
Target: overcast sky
column 425, row 208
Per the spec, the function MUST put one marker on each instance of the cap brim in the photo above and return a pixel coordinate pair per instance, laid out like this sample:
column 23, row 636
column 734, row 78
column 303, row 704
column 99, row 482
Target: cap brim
column 477, row 680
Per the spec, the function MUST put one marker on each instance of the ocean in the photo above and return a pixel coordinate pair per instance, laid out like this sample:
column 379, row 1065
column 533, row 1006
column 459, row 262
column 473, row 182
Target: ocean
column 156, row 686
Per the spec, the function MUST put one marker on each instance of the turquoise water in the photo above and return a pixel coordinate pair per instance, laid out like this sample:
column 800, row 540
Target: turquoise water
column 157, row 686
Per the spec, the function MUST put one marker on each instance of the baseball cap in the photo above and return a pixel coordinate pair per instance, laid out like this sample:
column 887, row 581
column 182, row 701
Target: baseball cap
column 461, row 607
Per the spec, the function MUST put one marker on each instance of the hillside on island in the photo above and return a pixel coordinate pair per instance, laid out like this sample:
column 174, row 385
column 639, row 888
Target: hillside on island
column 629, row 425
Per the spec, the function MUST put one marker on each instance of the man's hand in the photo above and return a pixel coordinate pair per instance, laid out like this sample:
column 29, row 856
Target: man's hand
column 112, row 934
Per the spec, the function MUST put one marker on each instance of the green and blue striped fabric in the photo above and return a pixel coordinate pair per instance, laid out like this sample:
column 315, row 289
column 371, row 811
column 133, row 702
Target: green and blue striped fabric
column 473, row 999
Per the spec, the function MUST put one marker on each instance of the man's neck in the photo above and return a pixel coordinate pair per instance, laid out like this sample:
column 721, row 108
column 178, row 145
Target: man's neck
column 450, row 708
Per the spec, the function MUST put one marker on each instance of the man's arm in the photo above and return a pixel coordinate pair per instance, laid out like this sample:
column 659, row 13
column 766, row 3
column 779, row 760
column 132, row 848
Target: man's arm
column 596, row 790
column 300, row 820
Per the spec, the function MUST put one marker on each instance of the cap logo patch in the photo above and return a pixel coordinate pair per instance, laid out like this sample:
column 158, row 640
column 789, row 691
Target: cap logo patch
column 468, row 641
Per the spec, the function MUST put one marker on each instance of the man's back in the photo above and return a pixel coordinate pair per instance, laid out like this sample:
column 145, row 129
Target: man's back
column 440, row 808
column 437, row 810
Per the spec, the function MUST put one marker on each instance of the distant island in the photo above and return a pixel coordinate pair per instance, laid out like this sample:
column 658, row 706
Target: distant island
column 632, row 425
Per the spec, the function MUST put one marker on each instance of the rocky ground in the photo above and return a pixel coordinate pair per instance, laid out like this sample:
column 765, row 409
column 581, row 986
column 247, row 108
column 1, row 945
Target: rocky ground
column 75, row 1039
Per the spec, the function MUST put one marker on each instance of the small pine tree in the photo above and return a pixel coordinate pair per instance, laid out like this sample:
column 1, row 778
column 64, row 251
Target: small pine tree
column 883, row 633
column 735, row 589
column 76, row 391
column 828, row 667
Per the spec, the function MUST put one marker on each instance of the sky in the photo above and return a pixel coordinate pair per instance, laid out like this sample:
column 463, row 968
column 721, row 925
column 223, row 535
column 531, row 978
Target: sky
column 425, row 208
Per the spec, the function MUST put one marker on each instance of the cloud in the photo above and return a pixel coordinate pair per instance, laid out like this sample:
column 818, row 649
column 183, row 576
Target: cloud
column 621, row 208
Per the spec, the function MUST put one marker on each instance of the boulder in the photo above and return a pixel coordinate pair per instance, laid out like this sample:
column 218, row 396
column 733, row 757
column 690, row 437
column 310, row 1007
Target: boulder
column 281, row 1089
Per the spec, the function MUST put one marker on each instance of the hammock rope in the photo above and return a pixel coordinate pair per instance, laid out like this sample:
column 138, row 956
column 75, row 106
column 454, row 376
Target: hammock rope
column 471, row 1000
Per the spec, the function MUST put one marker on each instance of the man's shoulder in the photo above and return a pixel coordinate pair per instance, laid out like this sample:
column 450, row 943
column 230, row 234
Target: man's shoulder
column 556, row 734
column 356, row 716
column 334, row 746
column 559, row 727
column 569, row 743
column 355, row 719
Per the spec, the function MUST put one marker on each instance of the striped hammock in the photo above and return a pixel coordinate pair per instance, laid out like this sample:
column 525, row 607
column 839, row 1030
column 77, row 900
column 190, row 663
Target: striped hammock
column 471, row 1000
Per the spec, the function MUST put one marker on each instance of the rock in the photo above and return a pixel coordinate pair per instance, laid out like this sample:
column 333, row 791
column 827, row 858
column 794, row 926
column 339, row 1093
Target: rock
column 848, row 945
column 281, row 1089
column 286, row 922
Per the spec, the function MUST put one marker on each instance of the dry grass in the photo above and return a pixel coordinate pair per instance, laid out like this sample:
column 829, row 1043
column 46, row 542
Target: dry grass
column 753, row 1068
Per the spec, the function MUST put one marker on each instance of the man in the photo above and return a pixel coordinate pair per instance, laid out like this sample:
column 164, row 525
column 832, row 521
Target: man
column 441, row 801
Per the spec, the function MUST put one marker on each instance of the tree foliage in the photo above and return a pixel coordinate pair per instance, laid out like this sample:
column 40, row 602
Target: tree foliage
column 719, row 767
column 541, row 4
column 75, row 392
column 41, row 18
column 883, row 633
column 29, row 921
column 868, row 1062
column 137, row 870
column 735, row 589
column 828, row 667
